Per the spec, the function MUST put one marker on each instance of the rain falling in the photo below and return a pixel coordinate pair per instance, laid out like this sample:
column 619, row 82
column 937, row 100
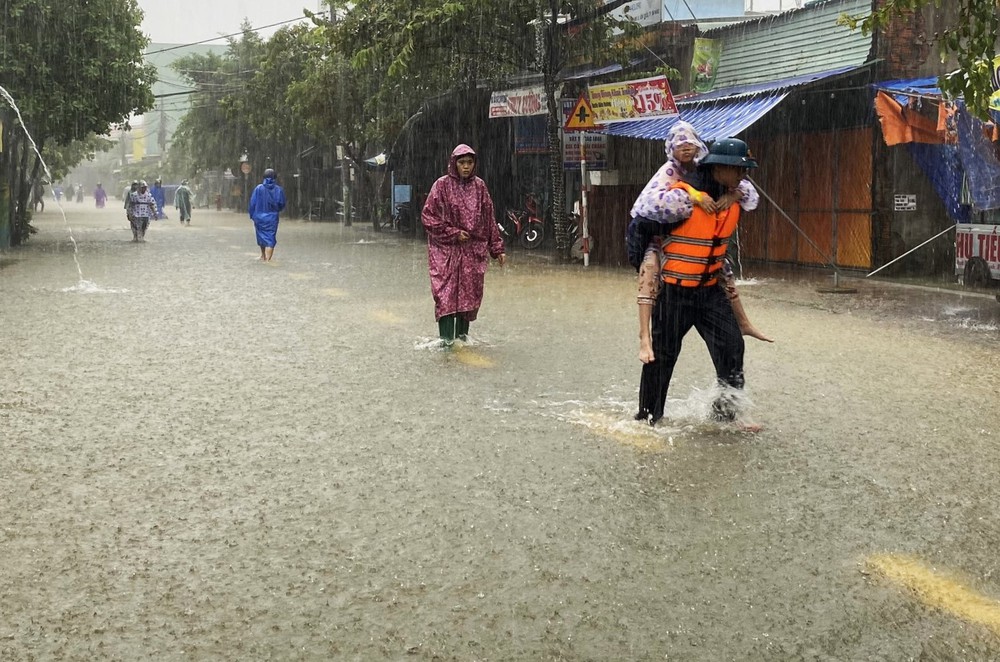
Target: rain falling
column 489, row 330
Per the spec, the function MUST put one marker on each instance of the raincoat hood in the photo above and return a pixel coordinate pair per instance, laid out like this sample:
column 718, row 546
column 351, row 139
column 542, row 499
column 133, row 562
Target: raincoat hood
column 682, row 133
column 461, row 150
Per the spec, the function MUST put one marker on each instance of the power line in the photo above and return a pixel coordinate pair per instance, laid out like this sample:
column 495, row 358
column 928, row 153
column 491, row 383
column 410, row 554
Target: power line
column 225, row 36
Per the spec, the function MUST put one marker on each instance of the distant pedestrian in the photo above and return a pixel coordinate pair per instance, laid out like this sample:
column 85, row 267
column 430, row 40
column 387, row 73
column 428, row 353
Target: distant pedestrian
column 182, row 202
column 462, row 235
column 266, row 203
column 38, row 195
column 100, row 196
column 79, row 192
column 161, row 199
column 143, row 209
column 129, row 197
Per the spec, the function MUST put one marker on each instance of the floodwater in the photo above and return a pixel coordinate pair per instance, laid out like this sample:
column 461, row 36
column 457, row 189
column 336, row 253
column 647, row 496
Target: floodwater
column 208, row 457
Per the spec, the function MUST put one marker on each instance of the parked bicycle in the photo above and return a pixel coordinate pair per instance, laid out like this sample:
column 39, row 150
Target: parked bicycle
column 524, row 224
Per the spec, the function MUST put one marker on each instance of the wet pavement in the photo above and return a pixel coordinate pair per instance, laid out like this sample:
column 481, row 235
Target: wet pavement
column 207, row 457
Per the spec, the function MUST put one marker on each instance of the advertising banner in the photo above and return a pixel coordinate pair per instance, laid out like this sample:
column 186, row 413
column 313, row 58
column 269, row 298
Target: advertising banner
column 530, row 136
column 632, row 100
column 705, row 63
column 518, row 103
column 643, row 12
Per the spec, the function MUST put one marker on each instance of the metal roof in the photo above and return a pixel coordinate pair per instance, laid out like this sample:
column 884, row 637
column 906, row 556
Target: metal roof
column 722, row 113
column 793, row 43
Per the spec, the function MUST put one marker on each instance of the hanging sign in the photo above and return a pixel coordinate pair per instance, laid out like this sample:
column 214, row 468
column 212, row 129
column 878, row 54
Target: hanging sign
column 632, row 100
column 518, row 103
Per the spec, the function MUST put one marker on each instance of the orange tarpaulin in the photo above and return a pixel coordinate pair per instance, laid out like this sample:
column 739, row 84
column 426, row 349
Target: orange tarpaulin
column 901, row 124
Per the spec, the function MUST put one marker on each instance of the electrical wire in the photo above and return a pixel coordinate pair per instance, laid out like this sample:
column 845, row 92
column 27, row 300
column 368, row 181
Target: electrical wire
column 225, row 36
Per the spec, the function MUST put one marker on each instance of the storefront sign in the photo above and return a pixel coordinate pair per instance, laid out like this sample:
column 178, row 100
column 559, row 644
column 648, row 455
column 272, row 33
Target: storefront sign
column 530, row 136
column 643, row 12
column 632, row 100
column 518, row 103
column 977, row 241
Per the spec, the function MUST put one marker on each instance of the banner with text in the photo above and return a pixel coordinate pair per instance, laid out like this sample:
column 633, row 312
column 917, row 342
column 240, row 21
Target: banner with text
column 518, row 103
column 643, row 12
column 632, row 100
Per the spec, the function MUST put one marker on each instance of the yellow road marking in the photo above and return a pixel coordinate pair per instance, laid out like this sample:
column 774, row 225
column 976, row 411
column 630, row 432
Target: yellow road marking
column 474, row 359
column 300, row 276
column 628, row 433
column 939, row 591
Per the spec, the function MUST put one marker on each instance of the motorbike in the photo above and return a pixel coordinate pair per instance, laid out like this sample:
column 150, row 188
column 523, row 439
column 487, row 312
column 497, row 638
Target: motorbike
column 402, row 218
column 524, row 224
column 576, row 238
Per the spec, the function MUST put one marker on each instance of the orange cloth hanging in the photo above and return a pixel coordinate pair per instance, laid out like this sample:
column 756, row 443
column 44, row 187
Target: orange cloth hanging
column 904, row 125
column 947, row 126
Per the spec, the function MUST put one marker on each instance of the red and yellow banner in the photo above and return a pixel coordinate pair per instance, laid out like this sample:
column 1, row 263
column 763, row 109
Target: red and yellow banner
column 632, row 100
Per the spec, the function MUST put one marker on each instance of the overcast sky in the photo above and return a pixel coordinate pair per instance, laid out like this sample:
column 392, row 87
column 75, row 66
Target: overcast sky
column 188, row 21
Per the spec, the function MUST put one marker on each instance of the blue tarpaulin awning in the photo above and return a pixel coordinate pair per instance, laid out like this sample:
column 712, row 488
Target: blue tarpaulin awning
column 721, row 113
column 975, row 156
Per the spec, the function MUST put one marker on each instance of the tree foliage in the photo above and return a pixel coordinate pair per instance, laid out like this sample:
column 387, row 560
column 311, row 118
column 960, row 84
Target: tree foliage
column 971, row 38
column 403, row 52
column 74, row 69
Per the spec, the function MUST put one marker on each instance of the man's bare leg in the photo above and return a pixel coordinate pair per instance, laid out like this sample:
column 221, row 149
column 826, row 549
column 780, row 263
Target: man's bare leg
column 268, row 252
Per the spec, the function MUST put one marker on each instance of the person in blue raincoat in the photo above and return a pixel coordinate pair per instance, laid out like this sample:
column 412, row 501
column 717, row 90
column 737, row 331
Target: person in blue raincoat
column 161, row 199
column 266, row 202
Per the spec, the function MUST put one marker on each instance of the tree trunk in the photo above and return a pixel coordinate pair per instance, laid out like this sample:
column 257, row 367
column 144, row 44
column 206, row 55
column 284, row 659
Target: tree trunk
column 6, row 177
column 22, row 191
column 556, row 183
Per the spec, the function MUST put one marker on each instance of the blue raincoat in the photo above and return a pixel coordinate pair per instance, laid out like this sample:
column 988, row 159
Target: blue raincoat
column 161, row 199
column 267, row 200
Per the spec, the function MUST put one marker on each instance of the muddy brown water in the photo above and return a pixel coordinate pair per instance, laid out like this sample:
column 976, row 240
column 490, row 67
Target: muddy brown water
column 206, row 457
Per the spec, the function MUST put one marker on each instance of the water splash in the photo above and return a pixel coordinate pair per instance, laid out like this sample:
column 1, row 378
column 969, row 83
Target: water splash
column 90, row 287
column 48, row 173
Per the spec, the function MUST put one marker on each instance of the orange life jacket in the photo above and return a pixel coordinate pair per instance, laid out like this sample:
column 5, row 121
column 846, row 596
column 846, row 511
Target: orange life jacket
column 694, row 249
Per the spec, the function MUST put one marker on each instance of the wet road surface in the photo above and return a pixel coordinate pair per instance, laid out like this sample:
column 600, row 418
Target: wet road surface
column 207, row 457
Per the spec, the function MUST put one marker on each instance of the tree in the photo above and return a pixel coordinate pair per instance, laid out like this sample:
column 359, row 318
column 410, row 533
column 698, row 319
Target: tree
column 971, row 39
column 74, row 70
column 423, row 48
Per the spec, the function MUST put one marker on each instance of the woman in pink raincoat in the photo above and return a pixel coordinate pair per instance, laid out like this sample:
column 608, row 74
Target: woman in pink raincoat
column 462, row 235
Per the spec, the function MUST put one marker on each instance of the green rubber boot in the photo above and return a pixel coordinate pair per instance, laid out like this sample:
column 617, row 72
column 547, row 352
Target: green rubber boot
column 448, row 329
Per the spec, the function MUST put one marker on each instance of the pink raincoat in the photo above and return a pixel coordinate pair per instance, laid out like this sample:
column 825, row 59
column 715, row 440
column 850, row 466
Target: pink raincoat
column 458, row 269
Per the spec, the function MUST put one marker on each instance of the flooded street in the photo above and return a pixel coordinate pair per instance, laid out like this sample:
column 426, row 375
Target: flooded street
column 209, row 457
